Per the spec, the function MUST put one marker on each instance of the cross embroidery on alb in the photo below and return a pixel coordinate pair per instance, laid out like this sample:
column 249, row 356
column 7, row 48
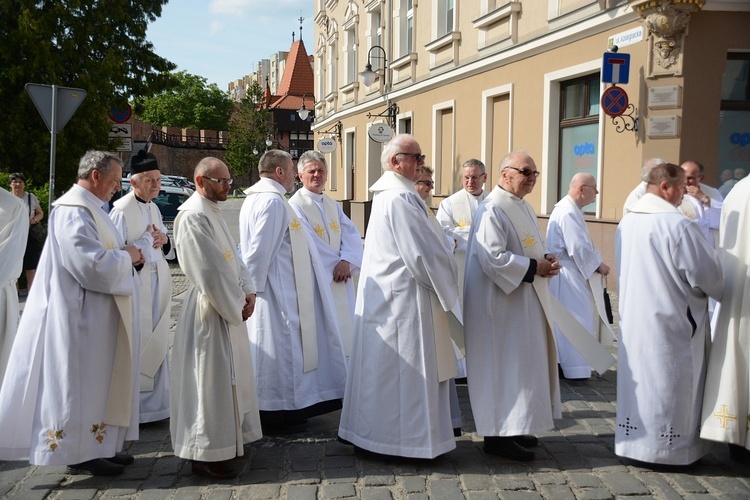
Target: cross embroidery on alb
column 723, row 415
column 671, row 435
column 627, row 426
column 319, row 230
column 529, row 241
column 228, row 255
column 463, row 223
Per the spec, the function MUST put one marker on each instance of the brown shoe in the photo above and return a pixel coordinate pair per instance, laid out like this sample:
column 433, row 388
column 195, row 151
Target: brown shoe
column 213, row 470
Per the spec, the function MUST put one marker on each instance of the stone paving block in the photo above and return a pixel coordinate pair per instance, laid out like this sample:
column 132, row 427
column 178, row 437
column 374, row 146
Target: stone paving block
column 306, row 450
column 255, row 476
column 334, row 462
column 413, row 484
column 658, row 485
column 333, row 448
column 549, row 478
column 593, row 494
column 341, row 490
column 502, row 466
column 623, row 484
column 513, row 483
column 302, row 492
column 168, row 465
column 376, row 494
column 584, row 480
column 477, row 482
column 444, row 489
column 78, row 494
column 343, row 474
column 727, row 486
column 133, row 472
column 684, row 483
column 417, row 496
column 378, row 480
column 557, row 491
column 481, row 495
column 593, row 450
column 304, row 464
column 47, row 482
column 122, row 488
column 303, row 477
column 258, row 491
column 698, row 496
column 519, row 495
column 603, row 464
column 223, row 494
column 30, row 494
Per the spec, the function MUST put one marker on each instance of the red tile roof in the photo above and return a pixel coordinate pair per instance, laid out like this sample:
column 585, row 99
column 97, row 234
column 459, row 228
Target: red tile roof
column 298, row 73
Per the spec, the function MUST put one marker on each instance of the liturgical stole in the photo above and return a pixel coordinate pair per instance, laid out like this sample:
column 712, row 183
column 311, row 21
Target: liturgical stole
column 154, row 340
column 461, row 207
column 524, row 223
column 329, row 230
column 121, row 387
column 303, row 280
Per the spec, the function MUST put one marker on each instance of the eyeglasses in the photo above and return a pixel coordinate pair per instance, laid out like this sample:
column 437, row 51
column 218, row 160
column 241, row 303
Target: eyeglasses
column 228, row 182
column 592, row 187
column 416, row 156
column 473, row 177
column 526, row 172
column 427, row 183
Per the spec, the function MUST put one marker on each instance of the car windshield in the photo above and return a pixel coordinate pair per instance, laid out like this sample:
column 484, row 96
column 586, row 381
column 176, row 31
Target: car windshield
column 168, row 204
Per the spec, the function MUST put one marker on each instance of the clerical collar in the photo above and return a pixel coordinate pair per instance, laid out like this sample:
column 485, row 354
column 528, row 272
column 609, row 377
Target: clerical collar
column 314, row 196
column 140, row 200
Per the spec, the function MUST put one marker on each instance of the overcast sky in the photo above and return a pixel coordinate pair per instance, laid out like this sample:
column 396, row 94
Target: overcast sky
column 223, row 40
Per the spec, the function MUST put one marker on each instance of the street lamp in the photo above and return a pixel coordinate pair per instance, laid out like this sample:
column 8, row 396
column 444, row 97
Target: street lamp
column 269, row 141
column 368, row 75
column 303, row 112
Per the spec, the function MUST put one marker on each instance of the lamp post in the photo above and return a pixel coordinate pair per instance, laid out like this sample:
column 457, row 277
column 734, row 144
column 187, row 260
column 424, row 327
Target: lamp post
column 368, row 75
column 303, row 112
column 368, row 78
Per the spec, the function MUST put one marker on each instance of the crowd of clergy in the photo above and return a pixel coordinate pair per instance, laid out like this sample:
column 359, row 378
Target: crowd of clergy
column 272, row 331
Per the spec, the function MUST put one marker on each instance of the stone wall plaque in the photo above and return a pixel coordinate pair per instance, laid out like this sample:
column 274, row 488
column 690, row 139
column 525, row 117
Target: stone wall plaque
column 663, row 126
column 662, row 97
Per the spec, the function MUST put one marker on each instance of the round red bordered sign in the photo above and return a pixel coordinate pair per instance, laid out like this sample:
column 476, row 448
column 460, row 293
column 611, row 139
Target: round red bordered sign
column 121, row 115
column 614, row 101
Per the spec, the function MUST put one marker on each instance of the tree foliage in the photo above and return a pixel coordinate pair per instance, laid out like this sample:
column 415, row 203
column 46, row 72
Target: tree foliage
column 191, row 104
column 100, row 47
column 249, row 128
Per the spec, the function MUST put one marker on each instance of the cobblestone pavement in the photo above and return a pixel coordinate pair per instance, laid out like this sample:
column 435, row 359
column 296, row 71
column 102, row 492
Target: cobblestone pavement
column 574, row 461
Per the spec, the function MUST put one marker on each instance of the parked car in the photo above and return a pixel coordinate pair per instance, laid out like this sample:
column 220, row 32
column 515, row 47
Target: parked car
column 169, row 200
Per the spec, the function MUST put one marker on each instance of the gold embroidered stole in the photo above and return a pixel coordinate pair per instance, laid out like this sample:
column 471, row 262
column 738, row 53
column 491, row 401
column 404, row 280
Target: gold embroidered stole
column 329, row 230
column 461, row 207
column 154, row 340
column 303, row 279
column 121, row 386
column 524, row 223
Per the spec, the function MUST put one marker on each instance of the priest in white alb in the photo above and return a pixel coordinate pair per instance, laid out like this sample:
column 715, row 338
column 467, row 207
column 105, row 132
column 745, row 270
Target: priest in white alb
column 298, row 352
column 397, row 398
column 666, row 270
column 726, row 400
column 14, row 230
column 140, row 224
column 70, row 393
column 338, row 242
column 578, row 287
column 213, row 406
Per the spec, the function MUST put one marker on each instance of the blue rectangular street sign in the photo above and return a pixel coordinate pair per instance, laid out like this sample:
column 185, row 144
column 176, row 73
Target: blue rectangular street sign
column 615, row 68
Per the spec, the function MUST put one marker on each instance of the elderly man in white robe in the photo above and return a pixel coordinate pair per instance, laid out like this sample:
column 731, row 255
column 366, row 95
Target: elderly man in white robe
column 338, row 242
column 510, row 351
column 213, row 407
column 456, row 212
column 581, row 269
column 140, row 224
column 70, row 392
column 14, row 229
column 726, row 400
column 298, row 353
column 667, row 270
column 397, row 398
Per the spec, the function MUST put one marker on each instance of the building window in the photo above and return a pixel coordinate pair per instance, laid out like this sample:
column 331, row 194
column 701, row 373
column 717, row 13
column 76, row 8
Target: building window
column 375, row 37
column 350, row 51
column 445, row 17
column 299, row 142
column 406, row 27
column 579, row 131
column 734, row 133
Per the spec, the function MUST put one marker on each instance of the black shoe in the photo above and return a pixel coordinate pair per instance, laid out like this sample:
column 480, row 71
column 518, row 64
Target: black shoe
column 294, row 427
column 526, row 440
column 507, row 447
column 122, row 459
column 97, row 467
column 739, row 453
column 456, row 432
column 213, row 470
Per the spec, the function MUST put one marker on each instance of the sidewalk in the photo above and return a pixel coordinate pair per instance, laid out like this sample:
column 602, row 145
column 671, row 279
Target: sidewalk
column 575, row 460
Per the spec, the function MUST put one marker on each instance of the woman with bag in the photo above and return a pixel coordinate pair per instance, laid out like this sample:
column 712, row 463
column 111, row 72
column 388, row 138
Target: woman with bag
column 37, row 233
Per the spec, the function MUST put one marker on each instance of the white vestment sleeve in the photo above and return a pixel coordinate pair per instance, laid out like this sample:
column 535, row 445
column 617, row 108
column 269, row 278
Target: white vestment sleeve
column 260, row 245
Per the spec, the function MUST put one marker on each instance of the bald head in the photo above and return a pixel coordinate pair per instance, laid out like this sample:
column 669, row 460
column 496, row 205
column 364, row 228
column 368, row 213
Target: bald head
column 583, row 189
column 212, row 179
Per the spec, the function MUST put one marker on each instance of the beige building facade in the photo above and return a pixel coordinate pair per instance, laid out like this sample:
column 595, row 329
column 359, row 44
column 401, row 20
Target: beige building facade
column 480, row 78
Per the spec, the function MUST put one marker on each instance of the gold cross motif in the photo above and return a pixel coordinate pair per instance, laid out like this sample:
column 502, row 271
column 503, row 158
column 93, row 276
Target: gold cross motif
column 724, row 415
column 463, row 223
column 319, row 230
column 530, row 241
column 334, row 226
column 228, row 255
column 295, row 225
column 110, row 246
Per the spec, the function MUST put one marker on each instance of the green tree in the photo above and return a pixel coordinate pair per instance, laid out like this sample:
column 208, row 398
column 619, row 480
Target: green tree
column 100, row 47
column 249, row 127
column 191, row 104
